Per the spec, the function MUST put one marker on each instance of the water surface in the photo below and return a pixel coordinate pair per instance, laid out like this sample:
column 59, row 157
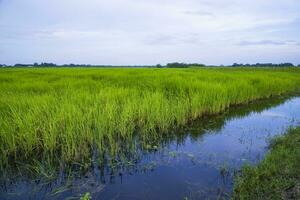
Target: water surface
column 196, row 162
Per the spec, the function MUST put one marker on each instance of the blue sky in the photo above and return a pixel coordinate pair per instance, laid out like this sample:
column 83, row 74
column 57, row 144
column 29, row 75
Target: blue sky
column 130, row 32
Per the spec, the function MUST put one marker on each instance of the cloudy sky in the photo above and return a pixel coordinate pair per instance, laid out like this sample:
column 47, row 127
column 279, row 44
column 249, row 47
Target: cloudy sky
column 122, row 32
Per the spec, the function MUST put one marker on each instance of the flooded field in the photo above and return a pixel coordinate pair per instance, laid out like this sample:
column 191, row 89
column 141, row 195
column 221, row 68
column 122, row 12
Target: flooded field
column 196, row 162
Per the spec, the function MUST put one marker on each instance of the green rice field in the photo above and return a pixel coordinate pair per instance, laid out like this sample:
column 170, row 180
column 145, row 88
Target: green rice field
column 68, row 111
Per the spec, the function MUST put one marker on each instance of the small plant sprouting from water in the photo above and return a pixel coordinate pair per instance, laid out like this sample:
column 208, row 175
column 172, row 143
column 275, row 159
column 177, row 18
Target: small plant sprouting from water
column 224, row 171
column 86, row 196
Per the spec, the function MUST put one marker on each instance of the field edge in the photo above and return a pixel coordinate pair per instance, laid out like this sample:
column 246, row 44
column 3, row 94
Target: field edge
column 277, row 176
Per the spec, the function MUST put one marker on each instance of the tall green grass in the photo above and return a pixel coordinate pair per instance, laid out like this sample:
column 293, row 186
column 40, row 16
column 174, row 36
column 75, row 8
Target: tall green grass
column 66, row 111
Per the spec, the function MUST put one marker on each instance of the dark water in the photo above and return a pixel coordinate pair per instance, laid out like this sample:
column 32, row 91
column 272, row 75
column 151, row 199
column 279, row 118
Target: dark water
column 197, row 162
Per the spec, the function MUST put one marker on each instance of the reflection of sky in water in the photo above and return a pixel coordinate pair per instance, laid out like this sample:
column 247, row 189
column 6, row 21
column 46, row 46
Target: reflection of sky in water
column 194, row 169
column 247, row 136
column 198, row 168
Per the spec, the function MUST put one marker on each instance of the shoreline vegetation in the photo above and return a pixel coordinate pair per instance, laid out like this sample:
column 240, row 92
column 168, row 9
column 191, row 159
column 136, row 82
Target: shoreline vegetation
column 65, row 112
column 277, row 176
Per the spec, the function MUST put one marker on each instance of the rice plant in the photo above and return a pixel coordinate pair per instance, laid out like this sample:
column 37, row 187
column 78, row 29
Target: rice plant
column 67, row 111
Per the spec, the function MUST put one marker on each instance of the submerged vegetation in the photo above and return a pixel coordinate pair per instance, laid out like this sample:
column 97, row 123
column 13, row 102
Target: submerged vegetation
column 277, row 176
column 66, row 112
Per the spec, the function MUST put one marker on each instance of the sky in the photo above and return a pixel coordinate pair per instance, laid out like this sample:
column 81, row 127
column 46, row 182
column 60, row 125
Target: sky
column 148, row 32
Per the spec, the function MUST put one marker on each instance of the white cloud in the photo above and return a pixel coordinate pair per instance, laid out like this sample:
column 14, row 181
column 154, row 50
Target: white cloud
column 149, row 32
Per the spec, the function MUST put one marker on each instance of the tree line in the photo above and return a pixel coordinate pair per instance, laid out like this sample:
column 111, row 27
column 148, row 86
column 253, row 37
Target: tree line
column 265, row 65
column 169, row 65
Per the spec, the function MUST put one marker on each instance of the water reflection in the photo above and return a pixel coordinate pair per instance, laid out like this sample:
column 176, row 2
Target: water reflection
column 193, row 162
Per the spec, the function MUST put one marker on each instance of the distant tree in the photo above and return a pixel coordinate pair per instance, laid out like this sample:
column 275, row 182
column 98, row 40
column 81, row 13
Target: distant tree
column 47, row 64
column 288, row 64
column 36, row 64
column 184, row 65
column 175, row 65
column 263, row 65
column 197, row 65
column 22, row 65
column 158, row 66
column 236, row 65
